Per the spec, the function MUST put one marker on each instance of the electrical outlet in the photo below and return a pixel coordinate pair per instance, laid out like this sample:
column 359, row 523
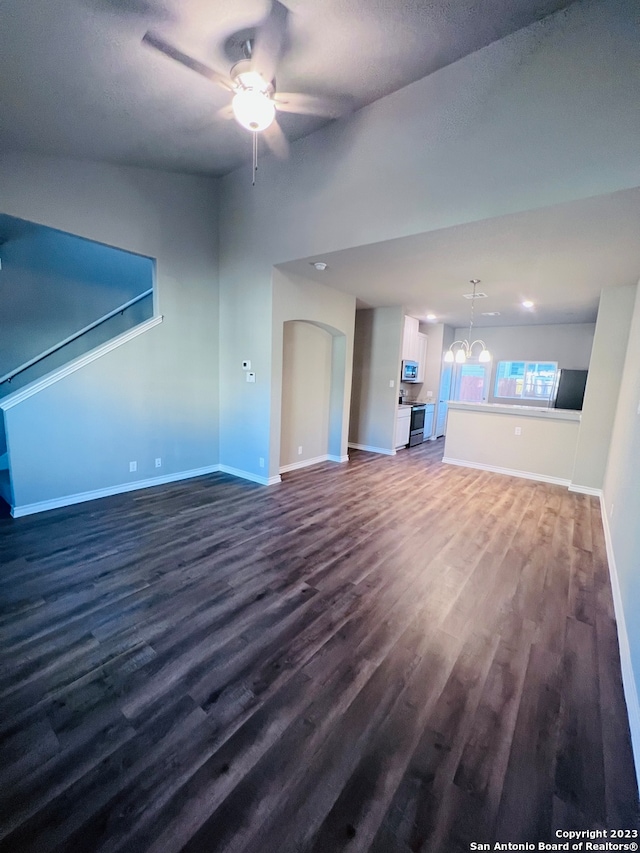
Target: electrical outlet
column 518, row 430
column 391, row 383
column 133, row 466
column 261, row 462
column 158, row 462
column 300, row 450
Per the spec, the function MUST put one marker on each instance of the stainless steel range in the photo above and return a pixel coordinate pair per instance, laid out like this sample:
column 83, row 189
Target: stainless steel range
column 416, row 432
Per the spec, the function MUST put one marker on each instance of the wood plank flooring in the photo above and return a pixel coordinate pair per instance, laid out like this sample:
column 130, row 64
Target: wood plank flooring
column 389, row 655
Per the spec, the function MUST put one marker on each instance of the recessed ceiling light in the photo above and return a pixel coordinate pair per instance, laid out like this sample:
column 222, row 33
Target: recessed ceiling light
column 490, row 313
column 431, row 316
column 527, row 303
column 319, row 265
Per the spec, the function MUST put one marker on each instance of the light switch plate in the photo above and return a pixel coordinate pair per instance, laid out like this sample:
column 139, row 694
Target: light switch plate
column 251, row 377
column 246, row 364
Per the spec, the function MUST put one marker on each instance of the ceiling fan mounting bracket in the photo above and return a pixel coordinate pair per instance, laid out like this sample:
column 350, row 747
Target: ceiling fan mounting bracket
column 247, row 48
column 244, row 77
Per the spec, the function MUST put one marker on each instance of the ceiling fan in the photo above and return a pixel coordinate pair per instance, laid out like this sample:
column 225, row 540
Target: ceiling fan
column 251, row 81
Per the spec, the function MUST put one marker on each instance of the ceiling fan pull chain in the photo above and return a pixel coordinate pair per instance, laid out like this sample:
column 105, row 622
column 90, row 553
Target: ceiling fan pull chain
column 255, row 158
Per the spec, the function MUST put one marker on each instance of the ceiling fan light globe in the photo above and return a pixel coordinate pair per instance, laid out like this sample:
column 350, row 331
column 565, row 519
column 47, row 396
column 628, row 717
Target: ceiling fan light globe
column 254, row 110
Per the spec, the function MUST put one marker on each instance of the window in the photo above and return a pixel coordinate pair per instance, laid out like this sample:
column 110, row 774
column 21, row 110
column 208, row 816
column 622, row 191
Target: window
column 525, row 380
column 470, row 382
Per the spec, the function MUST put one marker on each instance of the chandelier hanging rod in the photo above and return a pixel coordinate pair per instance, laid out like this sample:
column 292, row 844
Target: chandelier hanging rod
column 465, row 347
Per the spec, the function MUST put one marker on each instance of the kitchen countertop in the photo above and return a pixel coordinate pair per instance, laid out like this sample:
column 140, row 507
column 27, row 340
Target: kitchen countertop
column 515, row 409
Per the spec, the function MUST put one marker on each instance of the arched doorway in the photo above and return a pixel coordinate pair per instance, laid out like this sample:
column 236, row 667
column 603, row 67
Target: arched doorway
column 313, row 371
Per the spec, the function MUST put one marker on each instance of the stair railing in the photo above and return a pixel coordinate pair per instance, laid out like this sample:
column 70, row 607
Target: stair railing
column 120, row 310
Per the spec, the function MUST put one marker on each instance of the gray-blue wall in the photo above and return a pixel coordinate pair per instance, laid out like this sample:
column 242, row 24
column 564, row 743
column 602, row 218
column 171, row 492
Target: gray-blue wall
column 157, row 395
column 53, row 284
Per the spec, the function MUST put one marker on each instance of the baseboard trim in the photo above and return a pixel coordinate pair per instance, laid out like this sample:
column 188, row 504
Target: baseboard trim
column 247, row 475
column 628, row 678
column 585, row 490
column 371, row 449
column 305, row 463
column 512, row 472
column 327, row 457
column 121, row 488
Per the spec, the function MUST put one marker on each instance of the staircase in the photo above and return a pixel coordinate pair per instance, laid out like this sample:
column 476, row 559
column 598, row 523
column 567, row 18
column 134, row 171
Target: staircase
column 104, row 329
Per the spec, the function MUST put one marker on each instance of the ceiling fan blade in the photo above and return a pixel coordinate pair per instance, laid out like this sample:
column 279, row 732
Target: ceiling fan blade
column 269, row 42
column 276, row 140
column 158, row 43
column 293, row 102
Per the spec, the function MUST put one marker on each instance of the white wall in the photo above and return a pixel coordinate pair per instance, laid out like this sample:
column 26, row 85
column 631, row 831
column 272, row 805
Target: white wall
column 622, row 492
column 544, row 116
column 157, row 396
column 568, row 344
column 544, row 448
column 306, row 393
column 603, row 384
column 376, row 364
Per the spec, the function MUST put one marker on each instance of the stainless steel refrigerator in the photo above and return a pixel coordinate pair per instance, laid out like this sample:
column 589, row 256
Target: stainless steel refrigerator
column 570, row 385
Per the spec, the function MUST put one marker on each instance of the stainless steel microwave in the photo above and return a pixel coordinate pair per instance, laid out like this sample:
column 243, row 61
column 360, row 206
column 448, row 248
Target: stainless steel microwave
column 409, row 371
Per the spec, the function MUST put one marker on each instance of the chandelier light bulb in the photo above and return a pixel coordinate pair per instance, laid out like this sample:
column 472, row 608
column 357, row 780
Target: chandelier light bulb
column 460, row 356
column 253, row 109
column 448, row 356
column 484, row 356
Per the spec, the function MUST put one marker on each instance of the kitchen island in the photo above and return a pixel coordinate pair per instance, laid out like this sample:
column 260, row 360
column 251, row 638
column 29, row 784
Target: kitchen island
column 524, row 441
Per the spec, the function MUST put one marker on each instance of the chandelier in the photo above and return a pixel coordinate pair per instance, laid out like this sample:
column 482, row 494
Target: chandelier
column 465, row 348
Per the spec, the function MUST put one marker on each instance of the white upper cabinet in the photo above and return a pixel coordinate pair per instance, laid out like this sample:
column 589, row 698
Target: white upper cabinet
column 410, row 342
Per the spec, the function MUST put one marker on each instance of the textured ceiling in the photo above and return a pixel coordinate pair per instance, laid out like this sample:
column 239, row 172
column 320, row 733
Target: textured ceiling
column 559, row 257
column 76, row 81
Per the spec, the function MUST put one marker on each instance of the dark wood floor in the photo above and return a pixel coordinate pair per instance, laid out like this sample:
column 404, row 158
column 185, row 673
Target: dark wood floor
column 389, row 655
